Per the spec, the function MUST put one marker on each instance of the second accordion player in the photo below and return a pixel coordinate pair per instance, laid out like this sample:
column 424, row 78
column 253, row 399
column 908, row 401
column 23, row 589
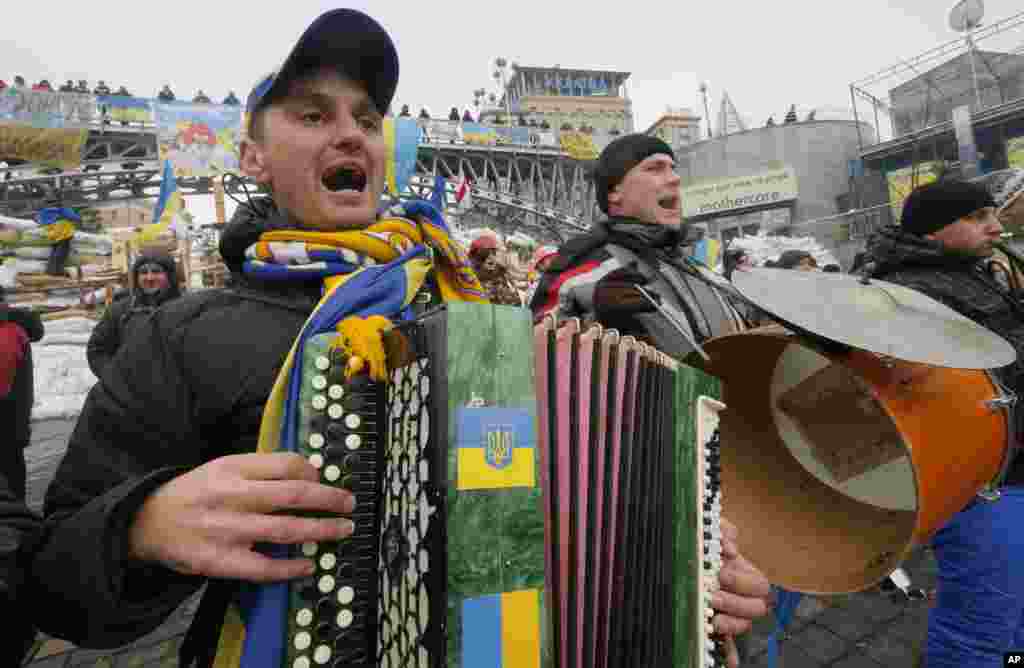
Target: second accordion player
column 527, row 497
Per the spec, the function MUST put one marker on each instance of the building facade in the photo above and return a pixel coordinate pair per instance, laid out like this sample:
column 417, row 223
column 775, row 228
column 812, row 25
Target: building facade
column 595, row 102
column 770, row 179
column 678, row 127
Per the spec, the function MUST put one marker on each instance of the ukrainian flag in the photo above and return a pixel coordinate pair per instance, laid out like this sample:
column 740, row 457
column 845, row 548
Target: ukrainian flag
column 402, row 136
column 707, row 252
column 502, row 630
column 495, row 448
column 168, row 206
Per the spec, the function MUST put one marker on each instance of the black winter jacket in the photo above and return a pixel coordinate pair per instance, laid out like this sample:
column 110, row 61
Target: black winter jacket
column 127, row 314
column 19, row 527
column 960, row 282
column 591, row 274
column 189, row 386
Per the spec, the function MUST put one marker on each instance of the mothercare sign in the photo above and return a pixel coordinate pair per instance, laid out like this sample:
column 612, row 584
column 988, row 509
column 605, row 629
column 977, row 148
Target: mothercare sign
column 710, row 197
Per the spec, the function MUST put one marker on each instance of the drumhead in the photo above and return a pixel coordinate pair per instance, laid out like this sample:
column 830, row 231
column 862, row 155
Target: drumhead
column 839, row 432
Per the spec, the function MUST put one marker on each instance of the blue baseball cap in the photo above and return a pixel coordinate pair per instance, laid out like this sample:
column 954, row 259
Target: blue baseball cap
column 344, row 38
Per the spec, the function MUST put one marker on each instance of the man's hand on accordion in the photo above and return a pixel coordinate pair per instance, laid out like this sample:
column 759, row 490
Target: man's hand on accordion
column 744, row 596
column 206, row 522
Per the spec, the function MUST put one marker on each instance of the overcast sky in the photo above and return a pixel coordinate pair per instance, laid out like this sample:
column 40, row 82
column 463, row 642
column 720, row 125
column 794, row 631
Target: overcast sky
column 767, row 55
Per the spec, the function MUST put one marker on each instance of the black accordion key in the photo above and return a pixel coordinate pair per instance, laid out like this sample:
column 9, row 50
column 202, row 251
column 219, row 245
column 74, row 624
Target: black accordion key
column 333, row 614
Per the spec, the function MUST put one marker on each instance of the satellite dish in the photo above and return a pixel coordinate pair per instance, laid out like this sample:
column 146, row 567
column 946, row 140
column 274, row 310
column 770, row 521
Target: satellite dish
column 966, row 15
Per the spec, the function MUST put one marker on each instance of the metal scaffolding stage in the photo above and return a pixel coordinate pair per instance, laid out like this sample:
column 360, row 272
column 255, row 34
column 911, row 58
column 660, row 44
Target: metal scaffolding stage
column 541, row 191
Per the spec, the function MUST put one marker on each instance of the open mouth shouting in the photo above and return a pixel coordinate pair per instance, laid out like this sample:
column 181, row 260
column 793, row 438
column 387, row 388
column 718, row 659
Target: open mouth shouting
column 347, row 178
column 670, row 202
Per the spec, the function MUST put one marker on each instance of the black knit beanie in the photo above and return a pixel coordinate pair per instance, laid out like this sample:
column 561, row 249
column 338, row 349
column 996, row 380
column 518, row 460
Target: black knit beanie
column 931, row 207
column 619, row 157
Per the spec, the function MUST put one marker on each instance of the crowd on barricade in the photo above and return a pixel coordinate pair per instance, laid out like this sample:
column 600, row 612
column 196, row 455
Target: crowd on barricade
column 102, row 89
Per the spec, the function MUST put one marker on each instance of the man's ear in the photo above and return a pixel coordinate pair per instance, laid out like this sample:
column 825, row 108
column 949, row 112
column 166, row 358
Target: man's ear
column 253, row 162
column 614, row 196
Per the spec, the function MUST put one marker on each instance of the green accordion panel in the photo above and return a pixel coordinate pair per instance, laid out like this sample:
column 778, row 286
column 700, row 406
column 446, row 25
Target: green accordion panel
column 690, row 384
column 496, row 603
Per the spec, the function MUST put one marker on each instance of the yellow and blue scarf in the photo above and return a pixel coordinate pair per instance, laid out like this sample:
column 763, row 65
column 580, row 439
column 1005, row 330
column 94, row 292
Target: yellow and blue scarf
column 369, row 275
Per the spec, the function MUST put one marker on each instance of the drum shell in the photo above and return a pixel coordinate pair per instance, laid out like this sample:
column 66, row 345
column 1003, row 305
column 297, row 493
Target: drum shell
column 808, row 536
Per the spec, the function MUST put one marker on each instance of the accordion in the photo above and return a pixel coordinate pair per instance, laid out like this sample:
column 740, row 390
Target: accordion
column 526, row 497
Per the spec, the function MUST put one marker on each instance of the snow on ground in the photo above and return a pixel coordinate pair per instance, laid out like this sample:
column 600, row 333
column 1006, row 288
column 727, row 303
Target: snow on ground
column 62, row 374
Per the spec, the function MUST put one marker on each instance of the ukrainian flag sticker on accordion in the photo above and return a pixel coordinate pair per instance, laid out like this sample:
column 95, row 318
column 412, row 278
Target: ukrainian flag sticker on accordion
column 496, row 448
column 502, row 630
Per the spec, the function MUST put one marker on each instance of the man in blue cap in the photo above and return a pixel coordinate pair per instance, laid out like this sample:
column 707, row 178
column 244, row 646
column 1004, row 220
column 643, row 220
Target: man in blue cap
column 160, row 490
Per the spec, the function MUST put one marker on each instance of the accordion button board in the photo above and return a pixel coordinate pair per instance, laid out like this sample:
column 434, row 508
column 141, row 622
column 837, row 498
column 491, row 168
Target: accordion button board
column 340, row 432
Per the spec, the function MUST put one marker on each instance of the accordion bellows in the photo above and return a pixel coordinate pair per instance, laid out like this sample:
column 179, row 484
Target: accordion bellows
column 463, row 554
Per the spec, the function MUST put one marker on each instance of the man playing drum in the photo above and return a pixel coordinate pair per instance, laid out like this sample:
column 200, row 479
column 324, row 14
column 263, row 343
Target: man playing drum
column 946, row 234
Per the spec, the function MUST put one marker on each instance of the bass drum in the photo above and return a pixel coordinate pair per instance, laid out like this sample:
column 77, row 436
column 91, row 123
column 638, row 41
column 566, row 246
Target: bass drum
column 835, row 466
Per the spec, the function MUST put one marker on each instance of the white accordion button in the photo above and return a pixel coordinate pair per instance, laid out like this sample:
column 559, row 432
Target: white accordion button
column 316, row 459
column 326, row 584
column 332, row 473
column 319, row 382
column 322, row 654
column 301, row 662
column 328, row 561
column 335, row 411
column 319, row 402
column 309, row 549
column 344, row 619
column 336, row 392
column 352, row 421
column 352, row 441
column 322, row 363
column 316, row 441
column 303, row 640
column 304, row 617
column 346, row 594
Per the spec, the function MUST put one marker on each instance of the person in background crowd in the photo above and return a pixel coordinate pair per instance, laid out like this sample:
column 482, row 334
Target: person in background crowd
column 122, row 92
column 734, row 259
column 201, row 98
column 794, row 259
column 154, row 279
column 43, row 86
column 424, row 114
column 19, row 81
column 19, row 328
column 467, row 117
column 68, row 87
column 83, row 87
column 101, row 88
column 231, row 99
column 940, row 248
column 739, row 258
column 539, row 263
column 405, row 112
column 453, row 115
column 3, row 84
column 493, row 274
column 165, row 94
